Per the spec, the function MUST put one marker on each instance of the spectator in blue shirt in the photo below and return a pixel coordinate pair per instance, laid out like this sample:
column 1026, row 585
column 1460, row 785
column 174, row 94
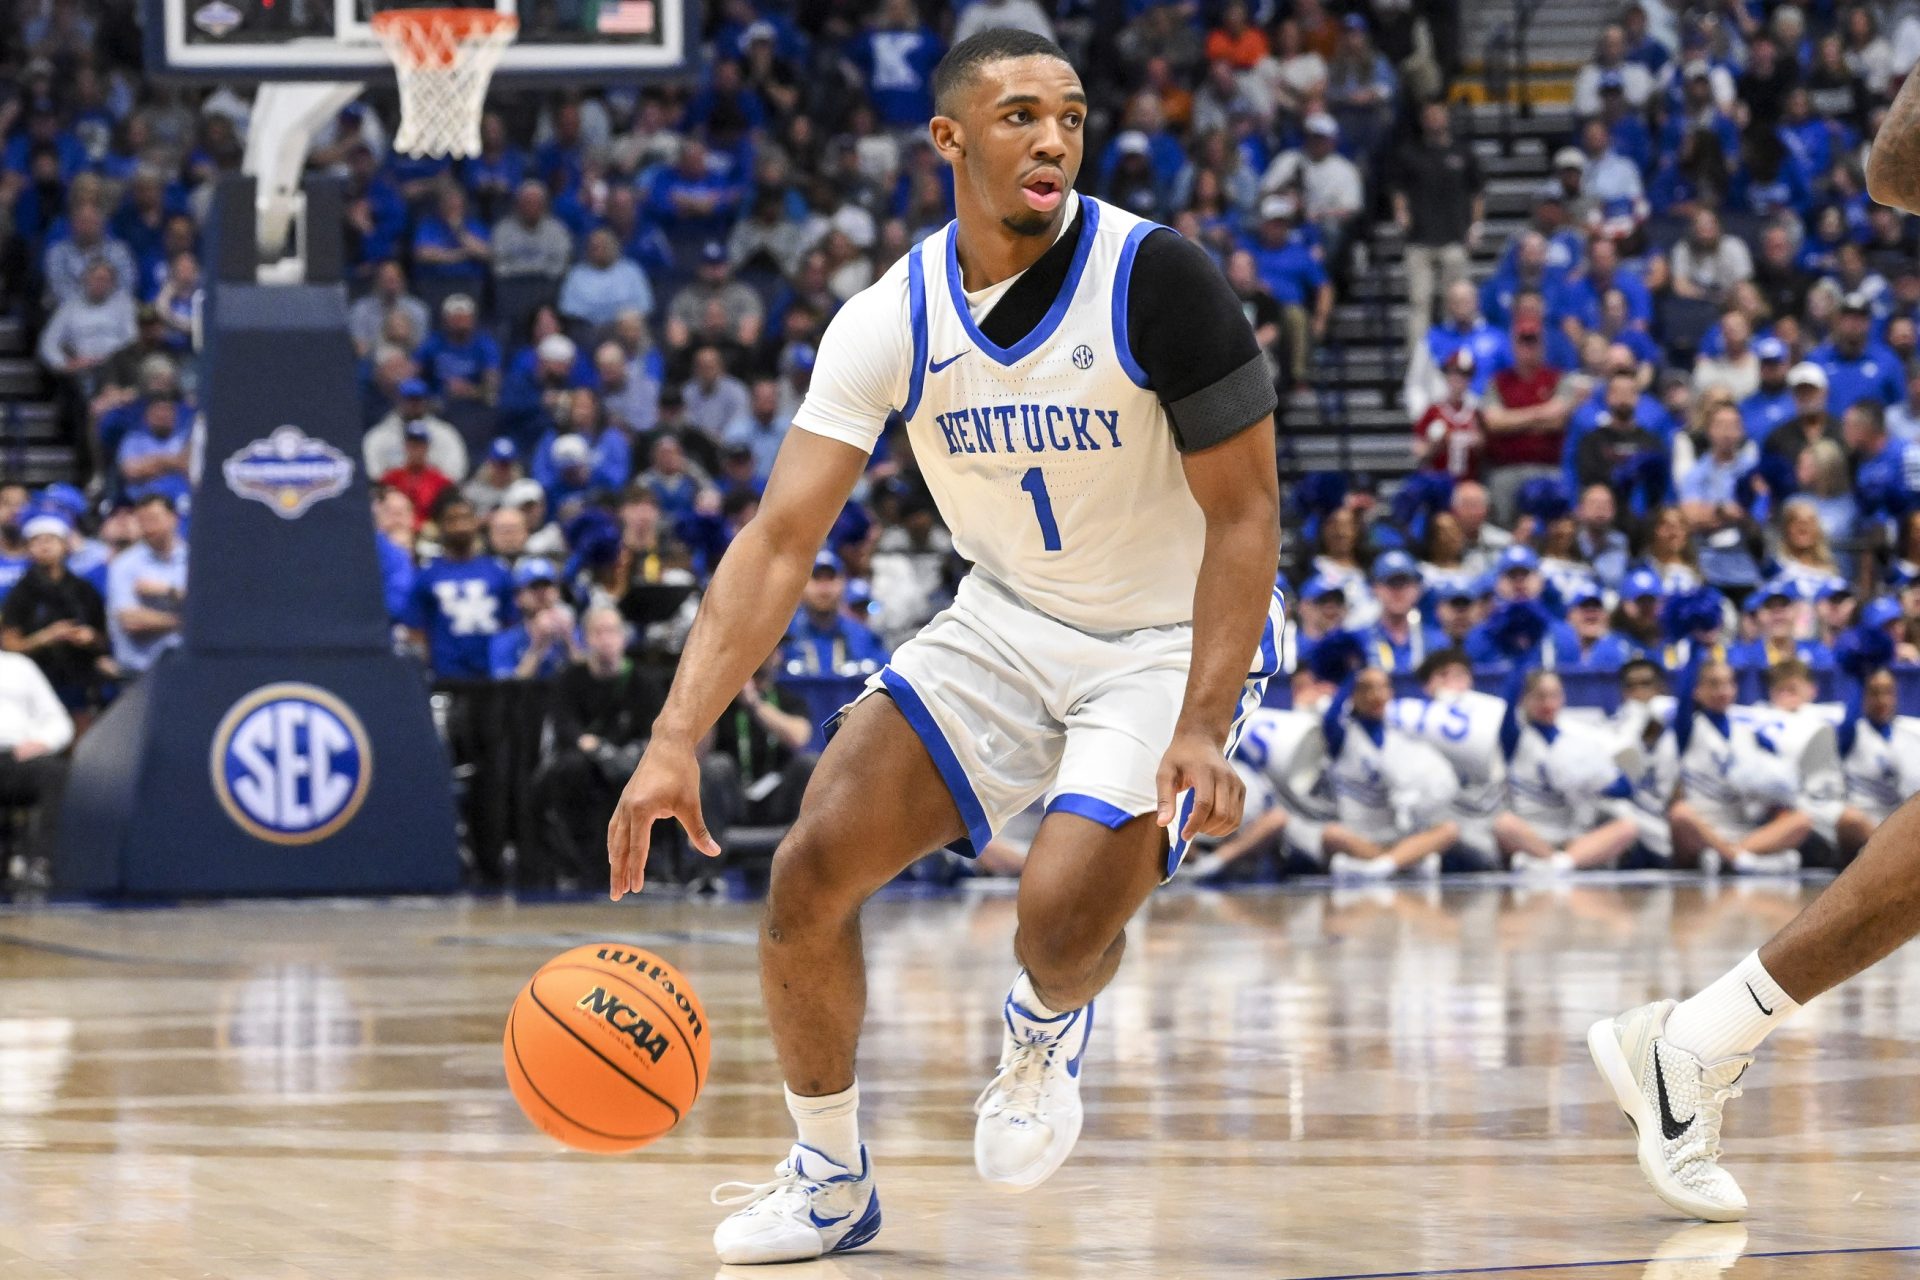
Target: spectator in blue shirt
column 1608, row 175
column 1627, row 133
column 1858, row 368
column 1769, row 179
column 1775, row 608
column 1886, row 473
column 1290, row 267
column 1596, row 647
column 1597, row 538
column 762, row 428
column 1578, row 303
column 461, row 361
column 1462, row 328
column 450, row 244
column 541, row 644
column 1517, row 577
column 461, row 601
column 604, row 284
column 824, row 639
column 1710, row 499
column 607, row 451
column 147, row 588
column 896, row 57
column 1525, row 269
column 1400, row 639
column 1772, row 404
column 689, row 199
column 156, row 458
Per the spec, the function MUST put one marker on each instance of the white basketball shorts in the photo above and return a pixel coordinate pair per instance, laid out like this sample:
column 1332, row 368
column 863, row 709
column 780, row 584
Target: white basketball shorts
column 1014, row 706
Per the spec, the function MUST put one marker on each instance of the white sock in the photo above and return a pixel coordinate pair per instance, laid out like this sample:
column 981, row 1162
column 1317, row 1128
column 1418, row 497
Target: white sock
column 830, row 1124
column 1024, row 995
column 1733, row 1015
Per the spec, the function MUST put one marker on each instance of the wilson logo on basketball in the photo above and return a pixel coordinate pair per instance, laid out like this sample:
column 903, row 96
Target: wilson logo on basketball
column 648, row 967
column 626, row 1019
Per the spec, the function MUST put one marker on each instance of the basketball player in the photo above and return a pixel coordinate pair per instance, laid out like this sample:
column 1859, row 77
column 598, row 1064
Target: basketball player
column 1674, row 1067
column 1088, row 407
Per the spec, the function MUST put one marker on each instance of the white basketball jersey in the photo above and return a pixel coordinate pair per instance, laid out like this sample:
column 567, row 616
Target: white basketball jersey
column 1051, row 461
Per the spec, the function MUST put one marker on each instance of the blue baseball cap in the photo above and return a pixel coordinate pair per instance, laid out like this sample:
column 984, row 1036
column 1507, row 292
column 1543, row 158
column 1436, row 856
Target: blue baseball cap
column 1775, row 589
column 1517, row 557
column 828, row 560
column 1833, row 589
column 413, row 388
column 1459, row 586
column 1640, row 583
column 1880, row 612
column 416, row 430
column 503, row 450
column 1586, row 593
column 1770, row 348
column 1320, row 586
column 534, row 569
column 713, row 252
column 64, row 497
column 1612, row 80
column 1389, row 565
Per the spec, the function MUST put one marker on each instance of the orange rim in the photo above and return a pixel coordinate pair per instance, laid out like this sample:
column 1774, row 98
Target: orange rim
column 433, row 37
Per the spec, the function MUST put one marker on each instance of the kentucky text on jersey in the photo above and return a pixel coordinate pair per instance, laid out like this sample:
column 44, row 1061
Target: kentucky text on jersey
column 1029, row 428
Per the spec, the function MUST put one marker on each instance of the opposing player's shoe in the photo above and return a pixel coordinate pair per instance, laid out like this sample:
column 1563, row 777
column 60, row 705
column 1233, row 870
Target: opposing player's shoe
column 1674, row 1102
column 1344, row 866
column 1029, row 1114
column 813, row 1206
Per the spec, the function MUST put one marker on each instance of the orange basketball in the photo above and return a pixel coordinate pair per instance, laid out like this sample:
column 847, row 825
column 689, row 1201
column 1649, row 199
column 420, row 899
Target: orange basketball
column 606, row 1048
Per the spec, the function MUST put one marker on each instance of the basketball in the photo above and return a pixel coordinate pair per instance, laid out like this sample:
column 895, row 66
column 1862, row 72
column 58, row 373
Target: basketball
column 606, row 1048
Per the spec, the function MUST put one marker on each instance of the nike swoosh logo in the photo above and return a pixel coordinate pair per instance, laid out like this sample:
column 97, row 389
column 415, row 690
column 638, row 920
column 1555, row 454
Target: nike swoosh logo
column 1756, row 1000
column 819, row 1221
column 1668, row 1125
column 935, row 366
column 1073, row 1063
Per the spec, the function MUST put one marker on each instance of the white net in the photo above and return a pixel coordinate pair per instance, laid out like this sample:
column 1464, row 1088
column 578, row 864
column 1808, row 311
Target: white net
column 443, row 60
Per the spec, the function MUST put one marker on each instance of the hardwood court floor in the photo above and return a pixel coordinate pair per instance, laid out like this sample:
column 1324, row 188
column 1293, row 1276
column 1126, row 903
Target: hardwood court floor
column 1281, row 1085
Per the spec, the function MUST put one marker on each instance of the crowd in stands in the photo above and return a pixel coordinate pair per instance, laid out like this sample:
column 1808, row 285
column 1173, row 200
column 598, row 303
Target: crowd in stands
column 581, row 349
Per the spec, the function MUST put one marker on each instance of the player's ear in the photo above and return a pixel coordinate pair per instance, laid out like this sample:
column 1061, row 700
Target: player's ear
column 949, row 139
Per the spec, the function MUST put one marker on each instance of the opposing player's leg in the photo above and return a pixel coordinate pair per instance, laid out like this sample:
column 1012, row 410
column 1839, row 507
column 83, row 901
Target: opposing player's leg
column 875, row 804
column 1084, row 879
column 1672, row 1067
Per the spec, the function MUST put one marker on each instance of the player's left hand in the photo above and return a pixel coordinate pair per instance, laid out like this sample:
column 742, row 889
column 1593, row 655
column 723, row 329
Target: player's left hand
column 1195, row 762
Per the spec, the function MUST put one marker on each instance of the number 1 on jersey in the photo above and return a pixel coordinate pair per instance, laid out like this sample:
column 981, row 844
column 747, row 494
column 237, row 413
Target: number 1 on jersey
column 1035, row 483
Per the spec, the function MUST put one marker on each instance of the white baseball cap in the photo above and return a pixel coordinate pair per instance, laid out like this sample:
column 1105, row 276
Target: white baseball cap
column 1807, row 374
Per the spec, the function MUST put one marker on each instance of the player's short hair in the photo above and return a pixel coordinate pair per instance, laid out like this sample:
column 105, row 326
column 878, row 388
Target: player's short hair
column 1435, row 663
column 156, row 500
column 962, row 63
column 1785, row 671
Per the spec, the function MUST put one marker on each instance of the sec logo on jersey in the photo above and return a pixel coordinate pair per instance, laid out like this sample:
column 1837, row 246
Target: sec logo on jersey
column 291, row 763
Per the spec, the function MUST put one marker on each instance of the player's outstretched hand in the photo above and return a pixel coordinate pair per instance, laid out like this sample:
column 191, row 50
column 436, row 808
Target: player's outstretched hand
column 1195, row 762
column 665, row 784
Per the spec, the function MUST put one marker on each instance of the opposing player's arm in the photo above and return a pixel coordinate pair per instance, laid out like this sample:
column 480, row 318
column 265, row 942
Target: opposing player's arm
column 1893, row 165
column 1189, row 334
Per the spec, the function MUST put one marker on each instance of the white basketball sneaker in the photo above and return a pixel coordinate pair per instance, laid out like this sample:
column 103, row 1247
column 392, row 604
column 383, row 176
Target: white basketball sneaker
column 813, row 1206
column 1674, row 1102
column 1555, row 864
column 1029, row 1114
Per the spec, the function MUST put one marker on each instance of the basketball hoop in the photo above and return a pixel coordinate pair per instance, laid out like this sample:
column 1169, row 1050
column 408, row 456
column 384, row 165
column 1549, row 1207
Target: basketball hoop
column 443, row 59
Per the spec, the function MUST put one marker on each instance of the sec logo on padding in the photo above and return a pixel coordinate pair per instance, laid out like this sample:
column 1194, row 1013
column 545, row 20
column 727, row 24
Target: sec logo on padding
column 291, row 763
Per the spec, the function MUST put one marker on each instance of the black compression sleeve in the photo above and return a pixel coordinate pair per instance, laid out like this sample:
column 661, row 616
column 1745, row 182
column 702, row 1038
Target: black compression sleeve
column 1188, row 331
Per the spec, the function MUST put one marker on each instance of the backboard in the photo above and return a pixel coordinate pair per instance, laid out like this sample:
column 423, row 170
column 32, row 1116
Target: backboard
column 589, row 41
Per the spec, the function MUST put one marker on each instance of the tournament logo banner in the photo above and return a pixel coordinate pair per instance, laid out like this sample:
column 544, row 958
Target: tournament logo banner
column 289, row 471
column 291, row 763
